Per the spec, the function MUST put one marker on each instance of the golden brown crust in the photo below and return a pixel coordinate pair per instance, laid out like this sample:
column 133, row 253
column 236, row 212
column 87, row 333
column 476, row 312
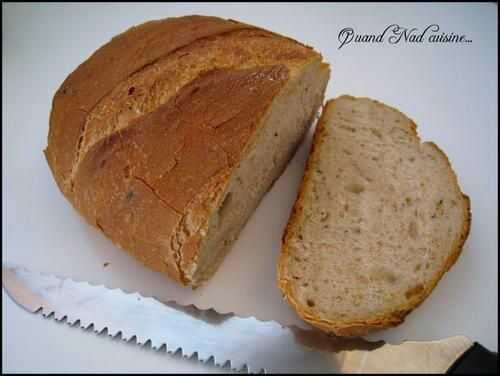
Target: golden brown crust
column 136, row 188
column 124, row 55
column 155, row 84
column 359, row 328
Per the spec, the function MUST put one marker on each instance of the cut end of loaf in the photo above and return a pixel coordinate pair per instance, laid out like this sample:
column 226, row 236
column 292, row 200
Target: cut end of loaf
column 378, row 220
column 268, row 153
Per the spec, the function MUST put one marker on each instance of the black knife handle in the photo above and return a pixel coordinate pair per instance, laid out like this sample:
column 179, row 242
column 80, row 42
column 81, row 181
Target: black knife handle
column 476, row 360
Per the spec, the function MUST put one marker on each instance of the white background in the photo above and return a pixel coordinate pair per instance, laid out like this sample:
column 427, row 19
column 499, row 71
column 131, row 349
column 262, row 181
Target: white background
column 450, row 91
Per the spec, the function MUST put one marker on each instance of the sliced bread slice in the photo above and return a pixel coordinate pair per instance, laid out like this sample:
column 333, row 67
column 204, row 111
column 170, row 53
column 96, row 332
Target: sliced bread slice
column 378, row 220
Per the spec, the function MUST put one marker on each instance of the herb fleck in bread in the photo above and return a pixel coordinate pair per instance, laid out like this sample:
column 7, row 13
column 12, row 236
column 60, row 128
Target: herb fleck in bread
column 378, row 220
column 168, row 136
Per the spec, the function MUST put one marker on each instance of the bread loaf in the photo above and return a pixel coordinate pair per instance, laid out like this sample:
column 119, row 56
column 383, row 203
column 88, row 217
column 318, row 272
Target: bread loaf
column 378, row 220
column 168, row 136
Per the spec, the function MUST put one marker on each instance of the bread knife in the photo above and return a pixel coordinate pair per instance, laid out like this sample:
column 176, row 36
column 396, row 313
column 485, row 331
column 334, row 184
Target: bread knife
column 241, row 343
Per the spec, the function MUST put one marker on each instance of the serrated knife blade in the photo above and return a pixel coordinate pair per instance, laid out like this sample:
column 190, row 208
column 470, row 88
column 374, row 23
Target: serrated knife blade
column 242, row 342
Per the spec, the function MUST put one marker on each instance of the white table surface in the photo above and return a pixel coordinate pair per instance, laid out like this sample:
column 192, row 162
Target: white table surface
column 449, row 90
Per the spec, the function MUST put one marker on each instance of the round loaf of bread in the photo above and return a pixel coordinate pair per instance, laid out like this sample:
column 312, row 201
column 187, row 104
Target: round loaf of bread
column 168, row 136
